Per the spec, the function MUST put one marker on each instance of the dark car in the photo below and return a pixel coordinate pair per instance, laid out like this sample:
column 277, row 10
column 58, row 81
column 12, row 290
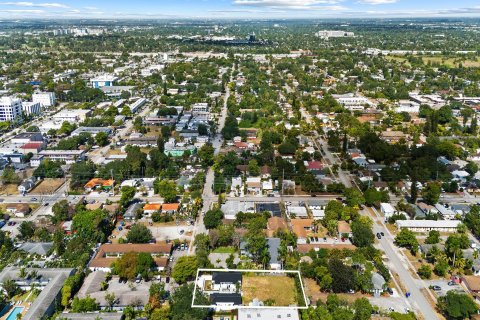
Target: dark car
column 167, row 280
column 437, row 288
column 383, row 234
column 379, row 236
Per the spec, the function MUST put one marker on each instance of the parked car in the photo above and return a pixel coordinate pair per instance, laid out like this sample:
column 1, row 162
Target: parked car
column 138, row 278
column 436, row 288
column 383, row 234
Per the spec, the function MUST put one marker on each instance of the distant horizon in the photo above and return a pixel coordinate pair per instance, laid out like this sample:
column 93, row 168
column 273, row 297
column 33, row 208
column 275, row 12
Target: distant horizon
column 240, row 19
column 238, row 9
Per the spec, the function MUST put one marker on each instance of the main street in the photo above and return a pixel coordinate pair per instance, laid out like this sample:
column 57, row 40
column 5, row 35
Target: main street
column 417, row 299
column 208, row 195
column 398, row 263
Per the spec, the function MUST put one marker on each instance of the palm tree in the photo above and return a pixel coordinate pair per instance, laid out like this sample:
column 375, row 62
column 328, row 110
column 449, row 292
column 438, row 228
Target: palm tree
column 459, row 265
column 22, row 273
column 34, row 274
column 10, row 288
column 265, row 257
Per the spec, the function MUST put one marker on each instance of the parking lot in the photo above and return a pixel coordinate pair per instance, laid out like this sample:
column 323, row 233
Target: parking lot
column 444, row 287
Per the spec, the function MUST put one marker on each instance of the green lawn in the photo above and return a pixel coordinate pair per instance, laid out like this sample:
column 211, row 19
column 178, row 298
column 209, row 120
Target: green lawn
column 224, row 250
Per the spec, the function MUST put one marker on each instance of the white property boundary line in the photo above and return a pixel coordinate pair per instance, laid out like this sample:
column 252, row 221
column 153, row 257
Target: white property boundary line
column 297, row 272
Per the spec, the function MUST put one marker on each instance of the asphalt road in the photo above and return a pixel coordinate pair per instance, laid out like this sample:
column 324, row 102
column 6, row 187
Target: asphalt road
column 418, row 301
column 208, row 196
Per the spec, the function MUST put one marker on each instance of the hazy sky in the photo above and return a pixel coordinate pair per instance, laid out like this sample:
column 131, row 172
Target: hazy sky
column 238, row 8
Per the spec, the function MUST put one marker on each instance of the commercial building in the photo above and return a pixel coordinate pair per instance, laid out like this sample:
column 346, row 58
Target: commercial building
column 105, row 80
column 27, row 137
column 353, row 102
column 91, row 130
column 31, row 108
column 10, row 108
column 137, row 105
column 325, row 34
column 428, row 225
column 46, row 99
column 71, row 116
column 199, row 107
column 116, row 91
column 67, row 156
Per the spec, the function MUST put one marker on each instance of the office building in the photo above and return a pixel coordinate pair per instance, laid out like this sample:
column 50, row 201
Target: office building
column 106, row 80
column 31, row 108
column 10, row 108
column 46, row 99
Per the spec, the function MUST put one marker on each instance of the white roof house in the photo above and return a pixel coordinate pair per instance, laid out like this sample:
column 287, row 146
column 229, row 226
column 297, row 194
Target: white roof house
column 460, row 174
column 297, row 211
column 236, row 188
column 267, row 185
column 428, row 225
column 445, row 212
column 387, row 209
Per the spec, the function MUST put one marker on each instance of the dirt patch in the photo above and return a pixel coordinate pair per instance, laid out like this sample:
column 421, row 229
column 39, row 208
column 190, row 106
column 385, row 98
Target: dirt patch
column 280, row 290
column 299, row 192
column 399, row 282
column 152, row 131
column 9, row 189
column 47, row 186
column 114, row 152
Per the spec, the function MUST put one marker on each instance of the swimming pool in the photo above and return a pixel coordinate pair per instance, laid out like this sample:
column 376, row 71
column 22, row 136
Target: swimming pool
column 15, row 311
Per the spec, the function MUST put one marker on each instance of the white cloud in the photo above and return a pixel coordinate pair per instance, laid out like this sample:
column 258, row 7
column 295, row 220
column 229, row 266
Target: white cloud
column 31, row 4
column 284, row 3
column 22, row 11
column 375, row 2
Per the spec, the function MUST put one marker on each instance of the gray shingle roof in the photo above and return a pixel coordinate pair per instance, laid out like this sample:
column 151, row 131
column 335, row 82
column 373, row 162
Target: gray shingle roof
column 40, row 248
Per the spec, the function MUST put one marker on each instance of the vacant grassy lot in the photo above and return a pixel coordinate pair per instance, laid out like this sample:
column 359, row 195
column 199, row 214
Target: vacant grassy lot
column 9, row 189
column 452, row 62
column 312, row 290
column 280, row 290
column 47, row 186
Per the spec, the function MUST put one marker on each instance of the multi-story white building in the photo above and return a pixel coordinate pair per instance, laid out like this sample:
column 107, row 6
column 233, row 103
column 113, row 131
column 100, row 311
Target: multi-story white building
column 31, row 108
column 106, row 80
column 353, row 102
column 200, row 107
column 325, row 34
column 72, row 116
column 408, row 106
column 46, row 99
column 10, row 108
